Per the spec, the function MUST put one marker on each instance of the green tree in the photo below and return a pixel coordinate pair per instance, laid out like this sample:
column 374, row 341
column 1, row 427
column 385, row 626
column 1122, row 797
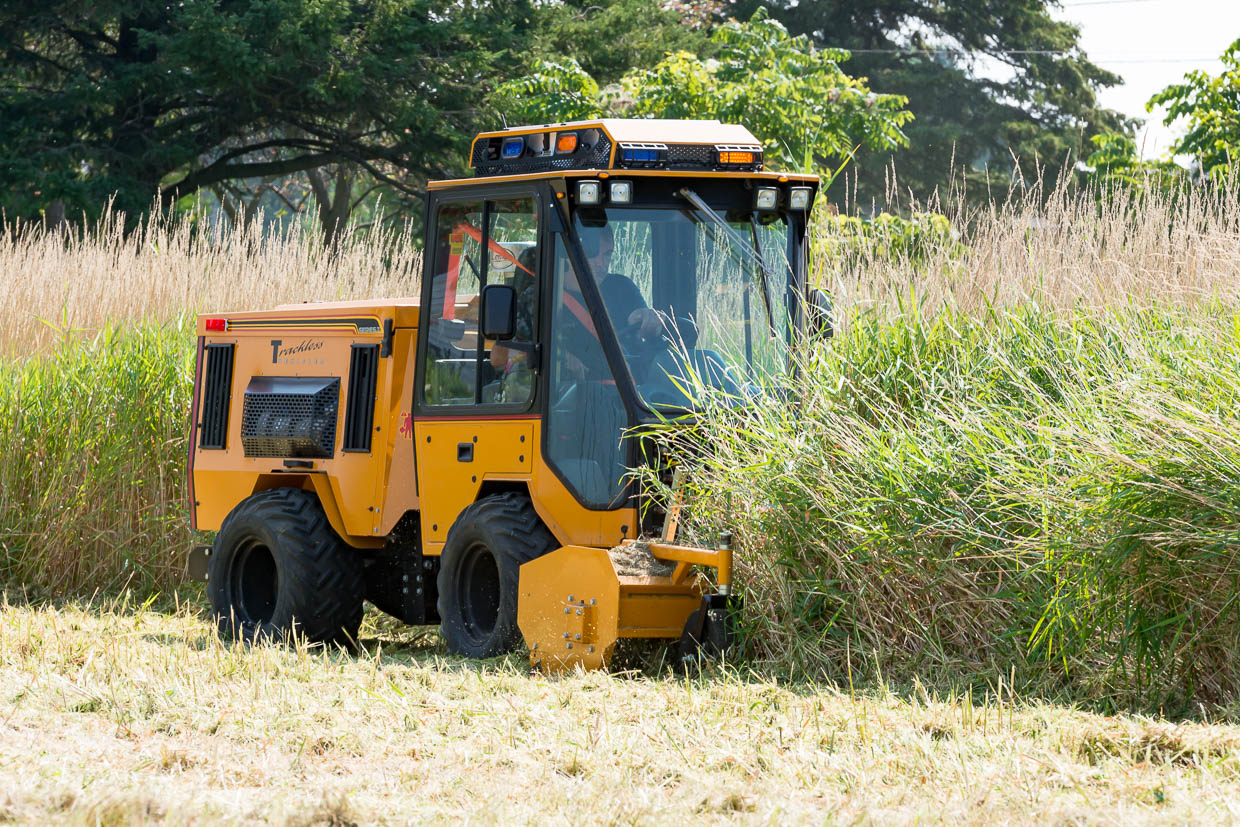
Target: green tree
column 1211, row 105
column 1041, row 111
column 793, row 96
column 608, row 38
column 1116, row 163
column 125, row 99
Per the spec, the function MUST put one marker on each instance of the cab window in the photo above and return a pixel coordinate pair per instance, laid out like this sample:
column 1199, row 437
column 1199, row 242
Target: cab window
column 461, row 367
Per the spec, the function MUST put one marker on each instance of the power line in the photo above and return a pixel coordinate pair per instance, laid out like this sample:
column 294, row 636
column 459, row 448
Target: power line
column 1154, row 59
column 1103, row 3
column 1045, row 52
column 951, row 52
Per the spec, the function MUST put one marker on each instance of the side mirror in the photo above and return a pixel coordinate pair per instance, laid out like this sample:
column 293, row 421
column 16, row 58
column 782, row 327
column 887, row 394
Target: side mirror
column 499, row 312
column 818, row 321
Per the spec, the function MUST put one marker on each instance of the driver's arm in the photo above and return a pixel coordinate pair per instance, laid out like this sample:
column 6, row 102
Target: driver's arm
column 625, row 304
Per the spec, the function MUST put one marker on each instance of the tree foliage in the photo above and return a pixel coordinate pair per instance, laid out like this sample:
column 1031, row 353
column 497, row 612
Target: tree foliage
column 1115, row 163
column 608, row 38
column 554, row 90
column 1211, row 105
column 792, row 95
column 1036, row 102
column 130, row 98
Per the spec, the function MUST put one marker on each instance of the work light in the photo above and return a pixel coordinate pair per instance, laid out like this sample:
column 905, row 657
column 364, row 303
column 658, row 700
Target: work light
column 798, row 198
column 621, row 192
column 765, row 198
column 588, row 192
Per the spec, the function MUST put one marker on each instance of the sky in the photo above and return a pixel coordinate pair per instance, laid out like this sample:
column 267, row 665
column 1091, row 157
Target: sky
column 1152, row 44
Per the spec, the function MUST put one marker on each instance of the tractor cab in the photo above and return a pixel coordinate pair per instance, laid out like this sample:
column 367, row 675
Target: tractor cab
column 607, row 273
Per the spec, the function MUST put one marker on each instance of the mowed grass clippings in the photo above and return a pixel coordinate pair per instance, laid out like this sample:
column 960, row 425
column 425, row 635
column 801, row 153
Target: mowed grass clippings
column 123, row 714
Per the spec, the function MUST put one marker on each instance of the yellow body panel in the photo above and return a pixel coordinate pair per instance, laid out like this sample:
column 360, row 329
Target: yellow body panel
column 568, row 608
column 364, row 494
column 504, row 450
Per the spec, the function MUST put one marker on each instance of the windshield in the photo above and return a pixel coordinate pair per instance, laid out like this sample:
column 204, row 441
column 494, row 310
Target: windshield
column 697, row 307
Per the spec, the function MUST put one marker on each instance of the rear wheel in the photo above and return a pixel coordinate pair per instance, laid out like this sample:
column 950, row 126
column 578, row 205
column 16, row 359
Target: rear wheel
column 479, row 571
column 277, row 566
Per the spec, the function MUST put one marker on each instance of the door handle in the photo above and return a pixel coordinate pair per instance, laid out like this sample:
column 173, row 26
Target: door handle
column 464, row 452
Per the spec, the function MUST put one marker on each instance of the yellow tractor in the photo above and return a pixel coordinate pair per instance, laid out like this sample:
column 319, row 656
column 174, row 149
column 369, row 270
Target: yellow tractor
column 463, row 457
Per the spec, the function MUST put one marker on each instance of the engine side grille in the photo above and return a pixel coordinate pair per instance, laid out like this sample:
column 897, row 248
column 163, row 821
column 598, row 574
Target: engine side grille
column 290, row 416
column 359, row 412
column 216, row 392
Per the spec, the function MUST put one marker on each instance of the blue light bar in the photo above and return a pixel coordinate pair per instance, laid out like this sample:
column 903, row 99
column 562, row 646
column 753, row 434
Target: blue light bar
column 513, row 147
column 641, row 154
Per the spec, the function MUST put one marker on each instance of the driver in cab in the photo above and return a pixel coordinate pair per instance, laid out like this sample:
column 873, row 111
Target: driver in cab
column 621, row 297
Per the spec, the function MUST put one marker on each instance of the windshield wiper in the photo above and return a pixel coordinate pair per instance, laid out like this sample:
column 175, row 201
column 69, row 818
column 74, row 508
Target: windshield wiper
column 765, row 274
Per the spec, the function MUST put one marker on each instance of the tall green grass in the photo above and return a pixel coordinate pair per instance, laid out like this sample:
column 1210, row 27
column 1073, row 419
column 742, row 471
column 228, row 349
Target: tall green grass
column 1050, row 497
column 92, row 462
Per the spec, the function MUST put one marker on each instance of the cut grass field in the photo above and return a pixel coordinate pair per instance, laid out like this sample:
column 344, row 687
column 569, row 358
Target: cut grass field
column 118, row 713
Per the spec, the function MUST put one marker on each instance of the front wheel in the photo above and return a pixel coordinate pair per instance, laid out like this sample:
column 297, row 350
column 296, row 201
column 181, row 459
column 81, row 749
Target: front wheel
column 277, row 567
column 479, row 573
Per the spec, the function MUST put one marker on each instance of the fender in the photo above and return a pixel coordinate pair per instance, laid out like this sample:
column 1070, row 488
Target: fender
column 320, row 484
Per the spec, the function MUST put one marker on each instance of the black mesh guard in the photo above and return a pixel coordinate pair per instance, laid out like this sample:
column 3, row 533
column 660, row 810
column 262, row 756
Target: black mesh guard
column 290, row 416
column 598, row 157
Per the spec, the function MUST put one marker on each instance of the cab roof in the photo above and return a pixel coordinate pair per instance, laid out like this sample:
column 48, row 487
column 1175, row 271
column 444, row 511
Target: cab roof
column 617, row 143
column 664, row 130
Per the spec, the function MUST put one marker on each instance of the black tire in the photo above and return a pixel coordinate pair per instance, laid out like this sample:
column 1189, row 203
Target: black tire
column 479, row 569
column 277, row 567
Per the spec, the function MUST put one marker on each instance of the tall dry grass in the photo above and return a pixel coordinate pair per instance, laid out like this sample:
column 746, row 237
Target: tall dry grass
column 1066, row 250
column 165, row 267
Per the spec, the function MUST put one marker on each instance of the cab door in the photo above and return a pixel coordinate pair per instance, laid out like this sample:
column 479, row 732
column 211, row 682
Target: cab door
column 477, row 407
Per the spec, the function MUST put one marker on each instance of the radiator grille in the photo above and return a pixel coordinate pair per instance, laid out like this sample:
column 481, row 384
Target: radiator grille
column 359, row 412
column 216, row 391
column 290, row 416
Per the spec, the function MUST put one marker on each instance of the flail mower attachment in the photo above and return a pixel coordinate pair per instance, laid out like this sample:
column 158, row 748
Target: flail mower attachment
column 574, row 606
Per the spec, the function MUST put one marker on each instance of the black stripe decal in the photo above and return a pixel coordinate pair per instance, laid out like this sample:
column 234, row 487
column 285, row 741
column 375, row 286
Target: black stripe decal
column 363, row 324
